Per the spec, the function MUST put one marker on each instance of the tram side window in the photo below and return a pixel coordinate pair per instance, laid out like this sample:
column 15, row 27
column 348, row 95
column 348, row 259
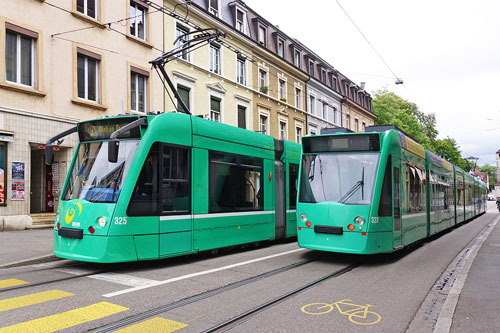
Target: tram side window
column 175, row 180
column 235, row 183
column 144, row 201
column 293, row 177
column 460, row 195
column 385, row 205
column 414, row 181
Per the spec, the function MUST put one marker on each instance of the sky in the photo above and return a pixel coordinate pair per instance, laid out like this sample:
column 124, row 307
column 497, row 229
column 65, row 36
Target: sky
column 447, row 52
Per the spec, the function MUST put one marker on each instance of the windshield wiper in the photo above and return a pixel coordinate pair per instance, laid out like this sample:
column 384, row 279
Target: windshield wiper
column 359, row 184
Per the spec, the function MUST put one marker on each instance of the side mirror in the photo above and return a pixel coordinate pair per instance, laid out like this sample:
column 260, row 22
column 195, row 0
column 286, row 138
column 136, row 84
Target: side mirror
column 49, row 154
column 113, row 146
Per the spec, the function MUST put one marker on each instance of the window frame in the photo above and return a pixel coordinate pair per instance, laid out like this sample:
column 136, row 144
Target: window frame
column 266, row 80
column 298, row 130
column 238, row 23
column 214, row 11
column 280, row 50
column 34, row 36
column 245, row 107
column 298, row 97
column 87, row 55
column 296, row 58
column 218, row 99
column 263, row 115
column 284, row 135
column 312, row 103
column 214, row 59
column 85, row 9
column 186, row 56
column 263, row 29
column 137, row 4
column 282, row 90
column 241, row 70
column 135, row 70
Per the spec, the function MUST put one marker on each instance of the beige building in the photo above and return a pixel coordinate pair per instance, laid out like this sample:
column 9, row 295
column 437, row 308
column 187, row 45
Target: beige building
column 61, row 62
column 356, row 106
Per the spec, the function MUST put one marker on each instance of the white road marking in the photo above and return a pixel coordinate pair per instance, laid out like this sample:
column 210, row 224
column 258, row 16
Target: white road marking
column 124, row 279
column 179, row 278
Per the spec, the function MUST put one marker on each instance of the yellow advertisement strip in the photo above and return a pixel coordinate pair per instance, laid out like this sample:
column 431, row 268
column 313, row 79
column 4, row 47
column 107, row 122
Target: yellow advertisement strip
column 66, row 319
column 414, row 147
column 11, row 283
column 447, row 165
column 22, row 301
column 154, row 325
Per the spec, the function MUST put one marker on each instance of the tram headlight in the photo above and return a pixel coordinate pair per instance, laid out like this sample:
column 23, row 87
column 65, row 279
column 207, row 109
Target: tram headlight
column 359, row 220
column 303, row 217
column 102, row 221
column 57, row 218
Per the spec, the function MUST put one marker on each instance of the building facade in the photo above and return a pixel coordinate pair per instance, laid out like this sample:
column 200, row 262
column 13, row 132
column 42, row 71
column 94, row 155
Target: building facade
column 60, row 63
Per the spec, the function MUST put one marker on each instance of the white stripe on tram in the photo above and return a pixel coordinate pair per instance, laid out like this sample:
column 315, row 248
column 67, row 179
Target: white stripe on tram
column 212, row 215
column 188, row 276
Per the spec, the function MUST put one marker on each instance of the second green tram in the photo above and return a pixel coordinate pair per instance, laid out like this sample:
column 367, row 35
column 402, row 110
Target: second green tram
column 379, row 191
column 156, row 186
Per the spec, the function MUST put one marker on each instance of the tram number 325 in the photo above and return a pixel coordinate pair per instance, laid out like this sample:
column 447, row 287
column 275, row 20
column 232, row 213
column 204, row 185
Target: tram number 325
column 121, row 220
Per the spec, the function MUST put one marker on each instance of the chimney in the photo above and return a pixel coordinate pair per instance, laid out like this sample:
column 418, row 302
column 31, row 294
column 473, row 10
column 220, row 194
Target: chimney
column 362, row 85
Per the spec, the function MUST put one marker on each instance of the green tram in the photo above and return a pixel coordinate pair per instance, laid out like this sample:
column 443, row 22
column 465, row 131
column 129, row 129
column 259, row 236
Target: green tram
column 379, row 191
column 156, row 186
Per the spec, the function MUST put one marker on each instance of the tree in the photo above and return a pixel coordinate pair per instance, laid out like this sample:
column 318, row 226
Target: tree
column 492, row 174
column 448, row 149
column 394, row 110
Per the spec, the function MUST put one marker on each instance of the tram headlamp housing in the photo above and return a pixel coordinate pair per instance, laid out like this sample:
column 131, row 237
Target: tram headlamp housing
column 303, row 217
column 57, row 218
column 359, row 220
column 101, row 221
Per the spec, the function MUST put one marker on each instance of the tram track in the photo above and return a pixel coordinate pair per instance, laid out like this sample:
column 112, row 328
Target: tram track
column 205, row 295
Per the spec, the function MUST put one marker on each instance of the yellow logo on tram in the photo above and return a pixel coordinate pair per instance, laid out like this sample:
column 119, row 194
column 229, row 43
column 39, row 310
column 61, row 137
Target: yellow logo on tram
column 71, row 212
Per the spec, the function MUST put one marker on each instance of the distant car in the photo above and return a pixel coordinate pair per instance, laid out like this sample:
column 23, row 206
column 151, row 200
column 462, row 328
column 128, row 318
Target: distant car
column 491, row 197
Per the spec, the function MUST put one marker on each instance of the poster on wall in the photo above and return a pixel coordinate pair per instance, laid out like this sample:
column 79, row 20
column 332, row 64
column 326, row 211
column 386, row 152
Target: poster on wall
column 18, row 190
column 3, row 167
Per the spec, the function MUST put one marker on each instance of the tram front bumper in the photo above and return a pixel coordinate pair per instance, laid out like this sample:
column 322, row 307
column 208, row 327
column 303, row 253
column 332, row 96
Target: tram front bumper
column 100, row 249
column 348, row 242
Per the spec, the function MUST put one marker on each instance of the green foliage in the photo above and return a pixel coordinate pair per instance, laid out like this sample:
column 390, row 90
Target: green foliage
column 492, row 173
column 391, row 109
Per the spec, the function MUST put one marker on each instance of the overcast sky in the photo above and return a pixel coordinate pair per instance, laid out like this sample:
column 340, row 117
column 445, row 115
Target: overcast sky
column 446, row 51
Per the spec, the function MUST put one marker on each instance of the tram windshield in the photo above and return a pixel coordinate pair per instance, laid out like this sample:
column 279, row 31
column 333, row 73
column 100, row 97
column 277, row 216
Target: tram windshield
column 344, row 178
column 93, row 177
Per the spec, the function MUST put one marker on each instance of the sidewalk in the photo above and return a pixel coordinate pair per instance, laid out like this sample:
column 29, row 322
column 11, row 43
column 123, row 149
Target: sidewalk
column 16, row 246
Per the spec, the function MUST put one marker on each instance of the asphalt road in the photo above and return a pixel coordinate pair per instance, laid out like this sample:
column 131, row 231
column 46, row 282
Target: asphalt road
column 382, row 293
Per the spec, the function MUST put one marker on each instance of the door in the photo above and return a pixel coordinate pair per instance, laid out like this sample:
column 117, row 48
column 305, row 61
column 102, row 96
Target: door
column 396, row 192
column 280, row 200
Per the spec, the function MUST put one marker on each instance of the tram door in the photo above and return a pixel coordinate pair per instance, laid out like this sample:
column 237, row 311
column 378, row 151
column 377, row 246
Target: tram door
column 396, row 191
column 280, row 199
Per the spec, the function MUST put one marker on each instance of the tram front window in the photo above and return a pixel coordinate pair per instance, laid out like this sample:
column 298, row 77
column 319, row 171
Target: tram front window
column 93, row 177
column 343, row 178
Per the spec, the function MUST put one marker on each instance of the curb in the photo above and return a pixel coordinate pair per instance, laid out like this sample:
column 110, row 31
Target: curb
column 36, row 260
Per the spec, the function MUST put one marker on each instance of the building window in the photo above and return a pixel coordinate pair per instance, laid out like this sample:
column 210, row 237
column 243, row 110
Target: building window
column 213, row 7
column 263, row 87
column 240, row 20
column 242, row 116
column 137, row 21
column 282, row 89
column 215, row 109
column 262, row 35
column 296, row 58
column 138, row 90
column 263, row 123
column 241, row 70
column 184, row 94
column 3, row 173
column 363, row 126
column 312, row 104
column 323, row 75
column 325, row 111
column 20, row 55
column 283, row 131
column 298, row 98
column 298, row 134
column 313, row 130
column 356, row 125
column 281, row 48
column 311, row 68
column 88, row 75
column 87, row 7
column 215, row 59
column 348, row 121
column 235, row 183
column 182, row 39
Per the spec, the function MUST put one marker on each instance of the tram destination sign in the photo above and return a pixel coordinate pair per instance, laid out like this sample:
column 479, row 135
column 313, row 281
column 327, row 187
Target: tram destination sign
column 341, row 143
column 103, row 128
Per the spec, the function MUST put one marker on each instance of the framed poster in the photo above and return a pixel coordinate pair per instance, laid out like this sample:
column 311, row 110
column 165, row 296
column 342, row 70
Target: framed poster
column 3, row 173
column 18, row 191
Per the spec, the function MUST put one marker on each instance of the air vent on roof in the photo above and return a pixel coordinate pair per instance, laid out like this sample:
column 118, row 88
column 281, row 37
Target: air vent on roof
column 333, row 130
